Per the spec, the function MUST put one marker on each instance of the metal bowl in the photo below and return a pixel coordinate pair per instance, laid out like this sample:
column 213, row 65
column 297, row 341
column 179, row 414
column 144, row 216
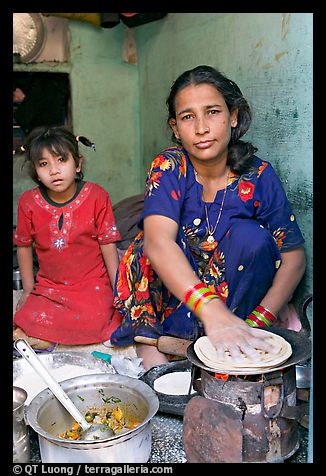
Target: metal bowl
column 171, row 404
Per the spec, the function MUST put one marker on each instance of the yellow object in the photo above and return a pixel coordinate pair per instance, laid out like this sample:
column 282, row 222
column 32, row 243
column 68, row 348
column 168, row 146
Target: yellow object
column 117, row 414
column 93, row 18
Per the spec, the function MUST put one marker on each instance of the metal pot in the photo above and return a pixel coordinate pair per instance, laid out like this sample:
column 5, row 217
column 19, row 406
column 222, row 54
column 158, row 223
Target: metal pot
column 21, row 448
column 49, row 418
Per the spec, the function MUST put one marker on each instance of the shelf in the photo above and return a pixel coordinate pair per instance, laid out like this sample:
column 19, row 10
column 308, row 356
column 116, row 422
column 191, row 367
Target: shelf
column 45, row 67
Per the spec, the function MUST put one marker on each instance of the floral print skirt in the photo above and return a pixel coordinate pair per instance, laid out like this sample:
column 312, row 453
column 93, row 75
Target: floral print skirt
column 241, row 270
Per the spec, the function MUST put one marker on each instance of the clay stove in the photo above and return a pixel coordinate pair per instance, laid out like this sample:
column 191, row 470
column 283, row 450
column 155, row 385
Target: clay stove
column 245, row 419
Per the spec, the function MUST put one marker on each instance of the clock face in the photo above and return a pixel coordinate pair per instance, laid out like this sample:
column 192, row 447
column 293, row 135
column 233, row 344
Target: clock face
column 28, row 35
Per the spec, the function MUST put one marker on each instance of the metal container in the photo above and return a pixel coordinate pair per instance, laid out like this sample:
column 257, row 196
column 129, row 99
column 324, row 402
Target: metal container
column 17, row 280
column 21, row 447
column 49, row 418
column 302, row 376
column 59, row 364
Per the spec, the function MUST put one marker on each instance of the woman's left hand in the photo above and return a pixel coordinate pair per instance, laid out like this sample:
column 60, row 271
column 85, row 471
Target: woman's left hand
column 227, row 332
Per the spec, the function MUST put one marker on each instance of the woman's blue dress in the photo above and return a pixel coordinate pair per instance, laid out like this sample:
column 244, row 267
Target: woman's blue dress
column 257, row 224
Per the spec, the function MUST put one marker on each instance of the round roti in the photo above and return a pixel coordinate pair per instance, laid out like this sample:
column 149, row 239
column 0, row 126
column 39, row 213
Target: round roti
column 207, row 354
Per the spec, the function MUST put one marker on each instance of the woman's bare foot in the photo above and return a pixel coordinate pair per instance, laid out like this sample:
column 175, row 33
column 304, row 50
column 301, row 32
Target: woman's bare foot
column 34, row 342
column 151, row 356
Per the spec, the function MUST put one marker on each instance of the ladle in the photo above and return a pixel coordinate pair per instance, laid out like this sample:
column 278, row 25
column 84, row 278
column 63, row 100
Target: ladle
column 90, row 431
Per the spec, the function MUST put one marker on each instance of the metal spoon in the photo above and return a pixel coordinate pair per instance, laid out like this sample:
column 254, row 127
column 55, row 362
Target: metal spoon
column 90, row 431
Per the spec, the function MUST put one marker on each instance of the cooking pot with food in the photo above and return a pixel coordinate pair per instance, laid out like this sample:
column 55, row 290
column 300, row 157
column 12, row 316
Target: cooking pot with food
column 97, row 394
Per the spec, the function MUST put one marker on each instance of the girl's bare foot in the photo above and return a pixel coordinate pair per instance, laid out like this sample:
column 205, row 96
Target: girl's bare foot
column 34, row 342
column 151, row 356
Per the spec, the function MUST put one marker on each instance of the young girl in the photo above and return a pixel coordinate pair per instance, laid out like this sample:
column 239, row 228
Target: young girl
column 71, row 224
column 220, row 252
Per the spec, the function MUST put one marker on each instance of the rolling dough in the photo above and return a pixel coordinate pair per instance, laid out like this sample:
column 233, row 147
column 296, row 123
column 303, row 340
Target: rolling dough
column 174, row 383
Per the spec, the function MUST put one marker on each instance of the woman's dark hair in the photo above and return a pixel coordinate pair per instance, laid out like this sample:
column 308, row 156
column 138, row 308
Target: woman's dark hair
column 240, row 153
column 58, row 141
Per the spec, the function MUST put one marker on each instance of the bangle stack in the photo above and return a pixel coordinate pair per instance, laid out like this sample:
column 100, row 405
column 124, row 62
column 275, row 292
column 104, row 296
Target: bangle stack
column 261, row 317
column 197, row 296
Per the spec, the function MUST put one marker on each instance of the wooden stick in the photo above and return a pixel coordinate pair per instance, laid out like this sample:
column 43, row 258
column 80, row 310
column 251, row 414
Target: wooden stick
column 146, row 340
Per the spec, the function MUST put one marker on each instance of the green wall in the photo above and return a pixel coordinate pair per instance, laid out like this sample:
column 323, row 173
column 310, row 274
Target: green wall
column 105, row 105
column 269, row 55
column 121, row 107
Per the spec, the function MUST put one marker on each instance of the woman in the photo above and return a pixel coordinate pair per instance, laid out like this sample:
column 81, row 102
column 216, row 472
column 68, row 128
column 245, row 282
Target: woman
column 220, row 246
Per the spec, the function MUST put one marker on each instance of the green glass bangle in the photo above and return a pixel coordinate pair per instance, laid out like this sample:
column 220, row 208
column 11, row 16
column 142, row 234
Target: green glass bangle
column 203, row 301
column 261, row 317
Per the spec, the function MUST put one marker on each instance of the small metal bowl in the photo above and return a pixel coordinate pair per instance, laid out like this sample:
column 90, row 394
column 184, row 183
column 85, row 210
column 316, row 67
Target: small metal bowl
column 171, row 404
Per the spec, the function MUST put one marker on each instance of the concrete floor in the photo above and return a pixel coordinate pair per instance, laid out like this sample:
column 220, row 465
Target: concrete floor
column 167, row 444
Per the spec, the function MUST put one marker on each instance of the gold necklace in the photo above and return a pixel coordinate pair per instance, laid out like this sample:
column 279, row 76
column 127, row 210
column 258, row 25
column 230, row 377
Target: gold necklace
column 211, row 230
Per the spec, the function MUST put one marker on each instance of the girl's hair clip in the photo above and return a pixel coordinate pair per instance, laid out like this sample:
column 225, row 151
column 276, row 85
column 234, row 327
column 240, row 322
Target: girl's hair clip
column 86, row 142
column 19, row 150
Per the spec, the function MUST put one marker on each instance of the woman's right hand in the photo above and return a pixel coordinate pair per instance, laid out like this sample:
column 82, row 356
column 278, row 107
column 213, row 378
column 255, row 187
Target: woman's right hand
column 227, row 332
column 224, row 329
column 22, row 299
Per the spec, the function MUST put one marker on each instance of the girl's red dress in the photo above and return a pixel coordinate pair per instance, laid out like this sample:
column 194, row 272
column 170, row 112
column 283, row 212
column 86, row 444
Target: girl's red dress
column 72, row 301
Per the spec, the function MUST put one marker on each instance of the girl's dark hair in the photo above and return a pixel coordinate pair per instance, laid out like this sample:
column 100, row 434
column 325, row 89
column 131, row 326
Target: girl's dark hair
column 58, row 141
column 240, row 153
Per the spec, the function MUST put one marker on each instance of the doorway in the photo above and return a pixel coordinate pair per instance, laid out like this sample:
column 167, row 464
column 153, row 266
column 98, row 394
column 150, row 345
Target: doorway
column 39, row 99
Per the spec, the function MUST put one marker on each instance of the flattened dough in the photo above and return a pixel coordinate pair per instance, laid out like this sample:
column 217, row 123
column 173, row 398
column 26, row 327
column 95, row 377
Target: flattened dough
column 174, row 383
column 206, row 352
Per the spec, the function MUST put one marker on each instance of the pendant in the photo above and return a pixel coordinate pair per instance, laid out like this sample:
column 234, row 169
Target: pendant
column 210, row 239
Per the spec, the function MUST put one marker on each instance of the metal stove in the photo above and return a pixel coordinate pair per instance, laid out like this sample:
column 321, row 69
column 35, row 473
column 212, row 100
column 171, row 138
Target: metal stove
column 245, row 419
